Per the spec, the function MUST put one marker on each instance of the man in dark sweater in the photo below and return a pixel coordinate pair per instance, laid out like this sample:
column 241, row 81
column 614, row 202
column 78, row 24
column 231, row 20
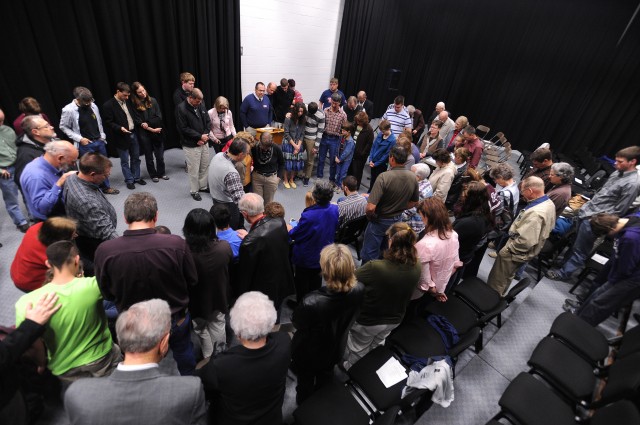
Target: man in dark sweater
column 282, row 100
column 187, row 82
column 255, row 110
column 143, row 264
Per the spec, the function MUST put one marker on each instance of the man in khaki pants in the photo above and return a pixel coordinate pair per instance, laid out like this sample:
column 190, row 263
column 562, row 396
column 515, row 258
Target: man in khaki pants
column 268, row 165
column 313, row 130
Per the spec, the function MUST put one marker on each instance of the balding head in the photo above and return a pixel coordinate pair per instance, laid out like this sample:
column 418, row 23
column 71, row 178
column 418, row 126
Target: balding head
column 532, row 188
column 362, row 96
column 61, row 154
column 271, row 87
column 439, row 107
column 251, row 205
column 443, row 116
column 1, row 117
column 38, row 129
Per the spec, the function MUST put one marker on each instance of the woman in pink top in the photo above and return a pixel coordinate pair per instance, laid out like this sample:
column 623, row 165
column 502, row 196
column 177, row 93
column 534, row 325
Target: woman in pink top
column 437, row 251
column 222, row 128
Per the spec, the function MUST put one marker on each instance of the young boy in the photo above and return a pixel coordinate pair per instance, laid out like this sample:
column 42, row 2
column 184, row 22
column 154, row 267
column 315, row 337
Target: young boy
column 345, row 154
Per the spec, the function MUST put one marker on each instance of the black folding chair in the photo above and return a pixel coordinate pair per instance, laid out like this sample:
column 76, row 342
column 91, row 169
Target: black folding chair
column 351, row 231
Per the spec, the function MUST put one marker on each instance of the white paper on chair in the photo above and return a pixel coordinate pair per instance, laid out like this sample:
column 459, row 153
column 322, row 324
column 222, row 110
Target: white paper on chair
column 391, row 372
column 600, row 259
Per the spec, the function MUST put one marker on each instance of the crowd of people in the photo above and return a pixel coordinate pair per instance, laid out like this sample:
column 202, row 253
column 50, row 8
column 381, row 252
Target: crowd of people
column 101, row 309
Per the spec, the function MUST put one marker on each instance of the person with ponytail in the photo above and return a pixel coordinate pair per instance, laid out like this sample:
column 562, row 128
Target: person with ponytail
column 388, row 285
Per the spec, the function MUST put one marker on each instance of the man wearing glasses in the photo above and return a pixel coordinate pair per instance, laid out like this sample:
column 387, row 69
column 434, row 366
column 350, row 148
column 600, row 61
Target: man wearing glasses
column 255, row 110
column 81, row 122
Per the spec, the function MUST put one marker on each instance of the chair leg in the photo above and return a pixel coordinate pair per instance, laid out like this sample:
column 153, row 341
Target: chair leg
column 581, row 279
column 499, row 319
column 478, row 344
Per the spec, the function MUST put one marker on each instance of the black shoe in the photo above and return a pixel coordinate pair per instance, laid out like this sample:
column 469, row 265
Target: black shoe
column 204, row 190
column 141, row 182
column 131, row 186
column 23, row 227
column 196, row 196
column 305, row 182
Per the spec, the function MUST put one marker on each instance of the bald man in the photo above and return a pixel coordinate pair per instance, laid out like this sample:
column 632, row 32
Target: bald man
column 43, row 178
column 527, row 234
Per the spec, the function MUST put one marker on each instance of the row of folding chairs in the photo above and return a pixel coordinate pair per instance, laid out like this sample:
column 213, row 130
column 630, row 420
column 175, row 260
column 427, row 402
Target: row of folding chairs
column 364, row 399
column 567, row 373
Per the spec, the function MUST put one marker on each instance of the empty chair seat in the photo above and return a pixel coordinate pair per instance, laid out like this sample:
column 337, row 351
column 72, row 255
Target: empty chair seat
column 624, row 380
column 559, row 365
column 581, row 336
column 630, row 343
column 333, row 404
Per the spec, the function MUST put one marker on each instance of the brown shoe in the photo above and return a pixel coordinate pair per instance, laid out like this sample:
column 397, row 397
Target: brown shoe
column 110, row 191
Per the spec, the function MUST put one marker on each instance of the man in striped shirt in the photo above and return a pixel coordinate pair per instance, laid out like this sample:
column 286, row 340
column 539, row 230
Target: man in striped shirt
column 313, row 129
column 398, row 116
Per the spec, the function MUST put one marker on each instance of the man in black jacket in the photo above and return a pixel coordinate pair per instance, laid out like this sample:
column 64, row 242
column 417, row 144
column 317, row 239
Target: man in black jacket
column 282, row 100
column 193, row 126
column 264, row 253
column 121, row 123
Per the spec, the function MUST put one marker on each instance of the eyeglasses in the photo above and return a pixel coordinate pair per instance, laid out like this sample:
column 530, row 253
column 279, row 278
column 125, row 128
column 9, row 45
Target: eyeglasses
column 44, row 126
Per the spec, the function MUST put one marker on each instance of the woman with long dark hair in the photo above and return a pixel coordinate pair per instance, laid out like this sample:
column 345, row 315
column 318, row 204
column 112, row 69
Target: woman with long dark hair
column 292, row 146
column 388, row 284
column 151, row 135
column 363, row 136
column 209, row 299
column 474, row 222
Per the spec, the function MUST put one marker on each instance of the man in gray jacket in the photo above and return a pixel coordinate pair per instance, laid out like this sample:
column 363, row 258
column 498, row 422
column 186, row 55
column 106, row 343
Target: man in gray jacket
column 137, row 392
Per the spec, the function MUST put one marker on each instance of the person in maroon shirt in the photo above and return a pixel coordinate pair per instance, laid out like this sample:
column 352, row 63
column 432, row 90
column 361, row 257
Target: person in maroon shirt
column 473, row 144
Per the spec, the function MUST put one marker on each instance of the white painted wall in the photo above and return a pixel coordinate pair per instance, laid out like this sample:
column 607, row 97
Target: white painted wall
column 290, row 39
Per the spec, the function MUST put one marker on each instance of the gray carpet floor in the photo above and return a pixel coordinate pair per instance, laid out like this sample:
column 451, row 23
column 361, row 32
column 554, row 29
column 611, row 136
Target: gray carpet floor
column 480, row 379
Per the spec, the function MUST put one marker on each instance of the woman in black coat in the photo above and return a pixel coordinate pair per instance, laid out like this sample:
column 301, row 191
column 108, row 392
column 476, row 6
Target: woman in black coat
column 363, row 136
column 322, row 320
column 151, row 135
column 209, row 299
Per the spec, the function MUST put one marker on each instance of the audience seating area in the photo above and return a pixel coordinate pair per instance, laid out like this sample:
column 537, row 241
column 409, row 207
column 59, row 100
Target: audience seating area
column 576, row 376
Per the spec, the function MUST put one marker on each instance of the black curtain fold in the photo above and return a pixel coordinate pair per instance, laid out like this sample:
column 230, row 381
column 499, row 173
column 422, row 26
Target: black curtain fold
column 539, row 71
column 51, row 47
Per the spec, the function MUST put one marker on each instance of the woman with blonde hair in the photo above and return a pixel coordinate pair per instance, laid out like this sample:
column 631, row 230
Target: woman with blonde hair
column 322, row 320
column 222, row 128
column 388, row 284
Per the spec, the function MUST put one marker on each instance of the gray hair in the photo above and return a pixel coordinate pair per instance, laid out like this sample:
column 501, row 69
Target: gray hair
column 252, row 316
column 502, row 171
column 564, row 171
column 143, row 326
column 336, row 97
column 411, row 109
column 421, row 170
column 252, row 204
column 58, row 147
column 30, row 122
column 322, row 191
column 533, row 182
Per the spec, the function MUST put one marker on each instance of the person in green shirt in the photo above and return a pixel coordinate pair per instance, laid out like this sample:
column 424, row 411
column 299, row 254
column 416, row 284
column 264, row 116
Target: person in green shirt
column 77, row 339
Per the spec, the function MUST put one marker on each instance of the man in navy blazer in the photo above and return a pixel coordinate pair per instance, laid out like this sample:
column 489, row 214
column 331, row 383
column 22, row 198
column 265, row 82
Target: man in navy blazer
column 137, row 392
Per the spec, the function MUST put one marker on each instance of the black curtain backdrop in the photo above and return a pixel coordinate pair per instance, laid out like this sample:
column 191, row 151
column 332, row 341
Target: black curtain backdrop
column 540, row 71
column 50, row 47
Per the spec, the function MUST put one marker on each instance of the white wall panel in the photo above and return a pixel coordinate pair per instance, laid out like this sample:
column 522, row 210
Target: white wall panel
column 292, row 39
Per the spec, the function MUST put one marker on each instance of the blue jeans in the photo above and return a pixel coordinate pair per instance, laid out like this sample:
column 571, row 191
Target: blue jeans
column 10, row 195
column 341, row 171
column 374, row 237
column 95, row 146
column 181, row 345
column 131, row 171
column 331, row 144
column 581, row 249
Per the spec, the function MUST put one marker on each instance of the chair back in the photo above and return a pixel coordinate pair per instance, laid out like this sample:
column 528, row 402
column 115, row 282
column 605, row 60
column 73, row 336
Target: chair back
column 349, row 232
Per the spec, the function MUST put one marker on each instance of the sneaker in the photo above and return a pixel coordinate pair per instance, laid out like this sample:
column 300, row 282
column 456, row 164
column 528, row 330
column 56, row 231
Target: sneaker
column 492, row 245
column 286, row 185
column 141, row 182
column 572, row 303
column 566, row 307
column 131, row 186
column 305, row 182
column 554, row 275
column 23, row 227
column 493, row 254
column 196, row 196
column 110, row 191
column 155, row 179
column 292, row 184
column 165, row 177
